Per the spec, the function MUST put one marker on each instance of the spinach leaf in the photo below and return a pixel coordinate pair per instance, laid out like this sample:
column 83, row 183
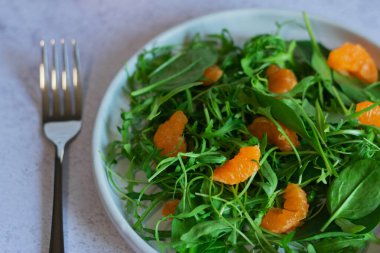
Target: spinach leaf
column 370, row 222
column 279, row 109
column 311, row 249
column 351, row 87
column 343, row 245
column 349, row 227
column 374, row 91
column 304, row 50
column 181, row 69
column 355, row 193
column 313, row 226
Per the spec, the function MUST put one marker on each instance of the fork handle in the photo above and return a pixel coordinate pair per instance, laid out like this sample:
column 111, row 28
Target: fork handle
column 56, row 237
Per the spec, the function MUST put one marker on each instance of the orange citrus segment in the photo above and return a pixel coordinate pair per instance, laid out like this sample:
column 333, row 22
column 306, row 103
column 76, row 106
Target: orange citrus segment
column 169, row 207
column 169, row 135
column 295, row 209
column 239, row 168
column 262, row 125
column 353, row 59
column 212, row 75
column 371, row 117
column 296, row 201
column 279, row 220
column 280, row 80
column 272, row 69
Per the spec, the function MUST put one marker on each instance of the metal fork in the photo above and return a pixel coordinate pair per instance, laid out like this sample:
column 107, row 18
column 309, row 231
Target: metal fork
column 61, row 118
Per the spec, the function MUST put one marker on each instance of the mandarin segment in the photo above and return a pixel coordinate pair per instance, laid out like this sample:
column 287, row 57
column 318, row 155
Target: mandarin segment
column 272, row 69
column 280, row 80
column 169, row 135
column 353, row 59
column 239, row 168
column 212, row 74
column 296, row 201
column 170, row 207
column 284, row 220
column 262, row 125
column 371, row 117
column 279, row 220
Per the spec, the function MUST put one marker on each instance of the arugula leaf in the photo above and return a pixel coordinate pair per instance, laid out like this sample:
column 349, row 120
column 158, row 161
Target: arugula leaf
column 207, row 230
column 302, row 86
column 319, row 64
column 262, row 50
column 318, row 61
column 270, row 186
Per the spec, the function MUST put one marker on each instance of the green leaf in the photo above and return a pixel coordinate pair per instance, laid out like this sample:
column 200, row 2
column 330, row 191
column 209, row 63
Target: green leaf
column 280, row 111
column 370, row 221
column 319, row 64
column 374, row 91
column 313, row 226
column 262, row 50
column 320, row 121
column 355, row 193
column 193, row 212
column 183, row 68
column 207, row 229
column 302, row 86
column 308, row 108
column 229, row 126
column 270, row 186
column 160, row 100
column 349, row 227
column 213, row 246
column 341, row 245
column 318, row 61
column 311, row 249
column 351, row 87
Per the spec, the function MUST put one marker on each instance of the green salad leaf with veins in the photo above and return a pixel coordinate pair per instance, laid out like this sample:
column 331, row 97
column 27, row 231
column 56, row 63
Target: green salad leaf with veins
column 337, row 163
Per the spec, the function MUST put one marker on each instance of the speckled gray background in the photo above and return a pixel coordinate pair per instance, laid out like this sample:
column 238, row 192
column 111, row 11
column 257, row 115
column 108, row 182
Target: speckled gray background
column 109, row 31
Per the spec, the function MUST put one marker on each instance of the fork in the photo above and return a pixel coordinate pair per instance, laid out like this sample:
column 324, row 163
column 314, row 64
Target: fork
column 61, row 118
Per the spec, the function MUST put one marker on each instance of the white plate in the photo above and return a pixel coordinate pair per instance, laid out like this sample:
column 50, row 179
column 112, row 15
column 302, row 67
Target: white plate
column 242, row 24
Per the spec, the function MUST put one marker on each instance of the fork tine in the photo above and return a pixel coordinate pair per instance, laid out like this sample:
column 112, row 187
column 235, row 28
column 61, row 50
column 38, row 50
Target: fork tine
column 54, row 81
column 66, row 81
column 44, row 78
column 77, row 81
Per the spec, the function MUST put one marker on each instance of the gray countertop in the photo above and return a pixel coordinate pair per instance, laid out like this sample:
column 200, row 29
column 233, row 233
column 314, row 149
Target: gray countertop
column 109, row 32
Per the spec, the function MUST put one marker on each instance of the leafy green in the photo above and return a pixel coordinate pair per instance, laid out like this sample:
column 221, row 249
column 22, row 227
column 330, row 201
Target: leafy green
column 279, row 110
column 182, row 68
column 349, row 227
column 355, row 193
column 370, row 221
column 346, row 244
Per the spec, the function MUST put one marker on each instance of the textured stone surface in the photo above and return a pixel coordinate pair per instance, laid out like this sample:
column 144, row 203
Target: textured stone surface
column 109, row 32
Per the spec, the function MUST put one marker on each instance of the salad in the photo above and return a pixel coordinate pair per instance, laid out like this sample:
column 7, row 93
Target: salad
column 271, row 145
